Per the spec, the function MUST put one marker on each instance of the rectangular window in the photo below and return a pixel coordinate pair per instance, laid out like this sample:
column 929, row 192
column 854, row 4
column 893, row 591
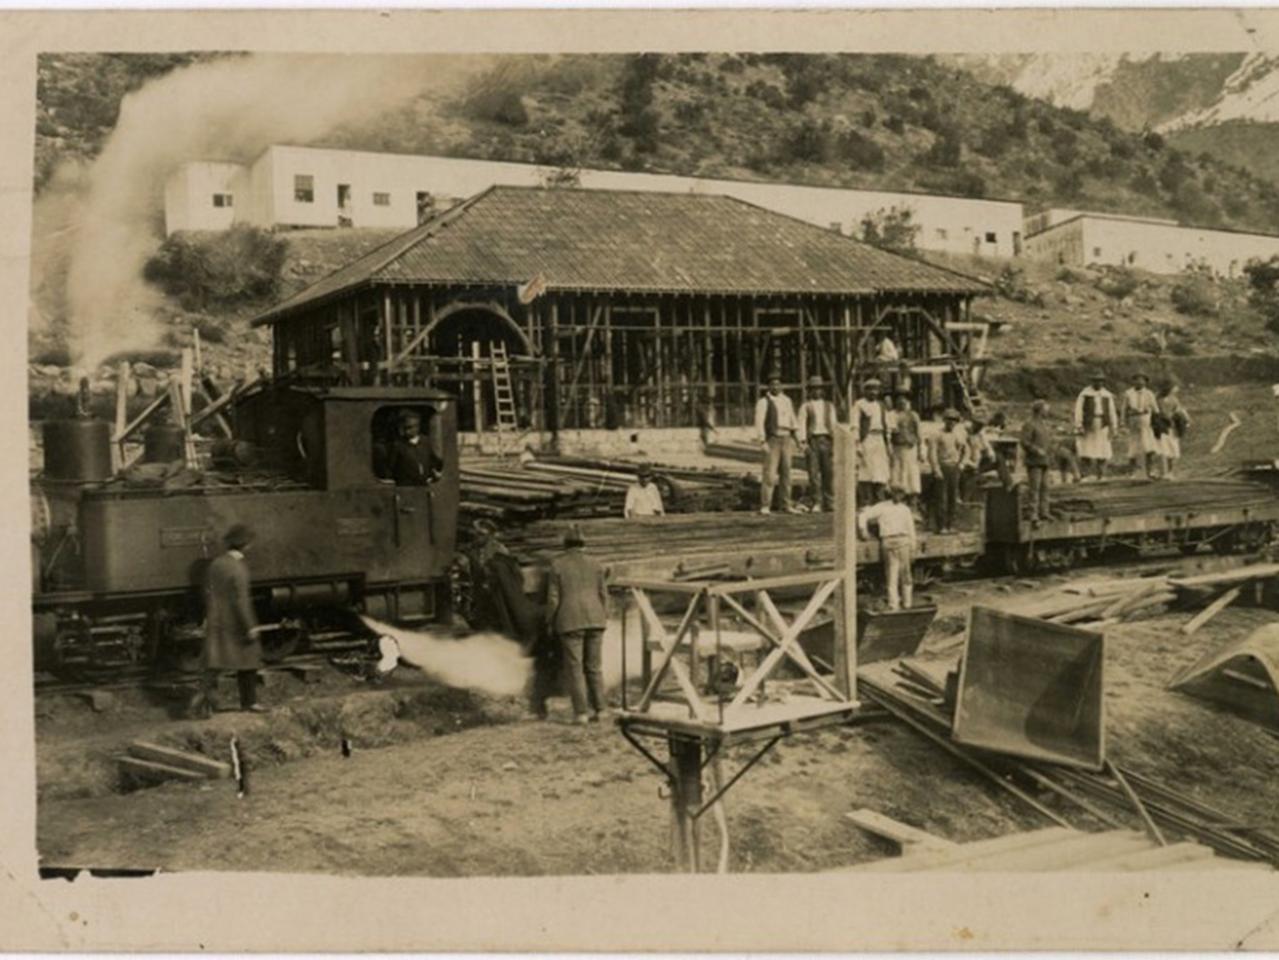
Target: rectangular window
column 222, row 199
column 381, row 199
column 941, row 233
column 304, row 188
column 1096, row 251
column 991, row 238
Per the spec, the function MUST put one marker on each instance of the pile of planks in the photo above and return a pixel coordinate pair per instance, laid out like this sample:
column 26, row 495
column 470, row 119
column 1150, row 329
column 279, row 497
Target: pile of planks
column 581, row 487
column 1116, row 498
column 150, row 763
column 1099, row 604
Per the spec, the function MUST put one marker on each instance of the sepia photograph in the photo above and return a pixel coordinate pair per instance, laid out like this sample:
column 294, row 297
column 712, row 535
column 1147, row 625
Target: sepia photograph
column 724, row 461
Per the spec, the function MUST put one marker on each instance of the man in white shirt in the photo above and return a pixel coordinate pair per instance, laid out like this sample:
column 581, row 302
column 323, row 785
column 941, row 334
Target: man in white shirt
column 1139, row 408
column 869, row 421
column 775, row 427
column 816, row 438
column 1096, row 419
column 643, row 498
column 896, row 526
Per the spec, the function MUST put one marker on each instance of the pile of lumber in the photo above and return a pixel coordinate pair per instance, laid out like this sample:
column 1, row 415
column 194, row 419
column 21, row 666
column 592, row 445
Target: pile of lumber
column 1098, row 604
column 1124, row 498
column 581, row 487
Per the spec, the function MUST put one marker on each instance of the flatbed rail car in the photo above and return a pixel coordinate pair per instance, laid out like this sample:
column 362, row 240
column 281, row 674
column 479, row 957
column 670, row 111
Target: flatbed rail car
column 734, row 545
column 1089, row 520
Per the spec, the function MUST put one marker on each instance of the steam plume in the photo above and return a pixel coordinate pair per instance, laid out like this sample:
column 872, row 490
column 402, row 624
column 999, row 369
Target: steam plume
column 220, row 110
column 487, row 662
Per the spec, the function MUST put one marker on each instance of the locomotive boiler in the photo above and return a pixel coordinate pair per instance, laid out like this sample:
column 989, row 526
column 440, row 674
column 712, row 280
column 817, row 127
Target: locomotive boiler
column 118, row 557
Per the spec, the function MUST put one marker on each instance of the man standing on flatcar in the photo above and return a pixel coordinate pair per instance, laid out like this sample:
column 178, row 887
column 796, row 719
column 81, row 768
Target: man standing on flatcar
column 1096, row 420
column 775, row 427
column 231, row 629
column 410, row 460
column 1037, row 442
column 870, row 419
column 817, row 419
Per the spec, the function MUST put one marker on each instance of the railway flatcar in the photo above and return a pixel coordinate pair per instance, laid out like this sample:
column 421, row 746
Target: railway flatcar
column 1133, row 517
column 118, row 557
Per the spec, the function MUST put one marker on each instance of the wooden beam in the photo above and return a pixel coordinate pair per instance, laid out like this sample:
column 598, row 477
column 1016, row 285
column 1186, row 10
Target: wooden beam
column 845, row 471
column 121, row 412
column 1210, row 611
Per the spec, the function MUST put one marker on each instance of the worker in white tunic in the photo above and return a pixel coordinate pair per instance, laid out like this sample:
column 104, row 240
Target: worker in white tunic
column 870, row 420
column 643, row 498
column 1096, row 419
column 775, row 427
column 1139, row 407
column 896, row 525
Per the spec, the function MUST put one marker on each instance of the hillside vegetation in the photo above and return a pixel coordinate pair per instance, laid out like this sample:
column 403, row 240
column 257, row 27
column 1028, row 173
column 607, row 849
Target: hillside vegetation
column 874, row 121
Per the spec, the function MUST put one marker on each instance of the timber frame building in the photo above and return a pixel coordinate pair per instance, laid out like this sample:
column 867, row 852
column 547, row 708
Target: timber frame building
column 622, row 309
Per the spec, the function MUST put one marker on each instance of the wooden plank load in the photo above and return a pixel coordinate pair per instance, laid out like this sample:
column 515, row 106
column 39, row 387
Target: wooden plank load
column 1116, row 498
column 580, row 487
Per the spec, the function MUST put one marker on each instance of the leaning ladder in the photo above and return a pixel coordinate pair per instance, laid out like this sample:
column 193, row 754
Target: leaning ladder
column 503, row 391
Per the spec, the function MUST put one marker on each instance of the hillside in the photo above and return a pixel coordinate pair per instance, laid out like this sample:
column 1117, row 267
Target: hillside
column 886, row 122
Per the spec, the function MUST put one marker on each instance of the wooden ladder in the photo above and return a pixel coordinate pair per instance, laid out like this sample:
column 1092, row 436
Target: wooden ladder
column 503, row 391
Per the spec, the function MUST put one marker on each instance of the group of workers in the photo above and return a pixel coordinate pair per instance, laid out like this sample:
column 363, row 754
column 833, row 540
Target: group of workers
column 1153, row 423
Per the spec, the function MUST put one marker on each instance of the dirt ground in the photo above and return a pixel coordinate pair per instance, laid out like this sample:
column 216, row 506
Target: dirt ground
column 496, row 797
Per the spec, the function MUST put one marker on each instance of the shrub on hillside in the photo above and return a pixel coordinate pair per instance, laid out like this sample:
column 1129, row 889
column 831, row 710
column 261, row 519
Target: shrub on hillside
column 891, row 228
column 1195, row 294
column 861, row 151
column 946, row 151
column 203, row 270
column 1263, row 289
column 1011, row 284
column 1117, row 282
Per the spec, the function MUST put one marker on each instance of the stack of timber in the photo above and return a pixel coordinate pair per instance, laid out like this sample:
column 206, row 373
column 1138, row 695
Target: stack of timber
column 692, row 535
column 1117, row 798
column 579, row 487
column 1097, row 604
column 1125, row 498
column 148, row 763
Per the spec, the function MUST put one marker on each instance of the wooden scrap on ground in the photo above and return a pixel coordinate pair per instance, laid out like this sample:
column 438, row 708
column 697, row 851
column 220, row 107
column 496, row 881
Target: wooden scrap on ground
column 1210, row 611
column 1226, row 431
column 151, row 761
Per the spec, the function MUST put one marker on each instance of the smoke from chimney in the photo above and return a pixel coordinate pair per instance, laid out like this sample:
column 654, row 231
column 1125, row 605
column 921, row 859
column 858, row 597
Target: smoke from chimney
column 229, row 110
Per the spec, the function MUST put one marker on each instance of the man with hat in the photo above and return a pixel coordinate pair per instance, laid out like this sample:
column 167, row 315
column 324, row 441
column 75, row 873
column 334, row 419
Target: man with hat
column 1037, row 443
column 643, row 498
column 775, row 425
column 1139, row 407
column 817, row 421
column 1096, row 419
column 870, row 420
column 896, row 527
column 949, row 454
column 576, row 612
column 231, row 628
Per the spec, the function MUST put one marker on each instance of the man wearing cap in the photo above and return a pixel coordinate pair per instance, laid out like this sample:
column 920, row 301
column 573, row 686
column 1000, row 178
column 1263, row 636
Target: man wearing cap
column 817, row 421
column 870, row 420
column 1037, row 442
column 643, row 498
column 231, row 629
column 1096, row 419
column 896, row 525
column 776, row 426
column 577, row 611
column 905, row 427
column 410, row 461
column 948, row 453
column 1139, row 407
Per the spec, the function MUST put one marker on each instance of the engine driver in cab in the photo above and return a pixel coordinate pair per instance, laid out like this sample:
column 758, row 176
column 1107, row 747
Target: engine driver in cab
column 409, row 459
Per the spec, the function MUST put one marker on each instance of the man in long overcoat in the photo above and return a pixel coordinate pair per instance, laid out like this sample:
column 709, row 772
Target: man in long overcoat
column 231, row 628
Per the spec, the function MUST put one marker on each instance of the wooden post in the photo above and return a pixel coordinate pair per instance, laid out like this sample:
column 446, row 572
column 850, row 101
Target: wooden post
column 477, row 389
column 686, row 796
column 121, row 414
column 195, row 346
column 845, row 470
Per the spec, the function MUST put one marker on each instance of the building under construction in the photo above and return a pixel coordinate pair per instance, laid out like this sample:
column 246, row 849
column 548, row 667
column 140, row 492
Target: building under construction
column 557, row 310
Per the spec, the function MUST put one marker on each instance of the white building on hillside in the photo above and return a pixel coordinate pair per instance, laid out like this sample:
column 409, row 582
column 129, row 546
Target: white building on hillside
column 312, row 187
column 1079, row 238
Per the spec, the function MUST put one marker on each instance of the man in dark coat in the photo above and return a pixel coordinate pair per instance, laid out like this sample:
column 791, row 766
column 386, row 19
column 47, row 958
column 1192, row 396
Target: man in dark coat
column 576, row 610
column 231, row 629
column 410, row 461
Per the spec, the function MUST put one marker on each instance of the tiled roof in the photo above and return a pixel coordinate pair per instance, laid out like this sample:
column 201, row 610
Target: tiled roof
column 629, row 241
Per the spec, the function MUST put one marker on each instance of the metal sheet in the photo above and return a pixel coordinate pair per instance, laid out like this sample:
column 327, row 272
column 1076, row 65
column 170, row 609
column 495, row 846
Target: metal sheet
column 890, row 634
column 1033, row 689
column 1243, row 675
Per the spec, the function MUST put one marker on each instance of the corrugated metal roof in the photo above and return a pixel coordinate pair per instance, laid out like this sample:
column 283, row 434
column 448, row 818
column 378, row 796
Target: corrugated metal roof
column 637, row 241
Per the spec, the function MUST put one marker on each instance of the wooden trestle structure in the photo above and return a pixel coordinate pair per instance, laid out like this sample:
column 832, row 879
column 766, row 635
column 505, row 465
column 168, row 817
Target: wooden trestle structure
column 706, row 715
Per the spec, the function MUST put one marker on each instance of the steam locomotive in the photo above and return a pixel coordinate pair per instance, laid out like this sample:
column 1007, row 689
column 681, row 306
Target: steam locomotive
column 118, row 556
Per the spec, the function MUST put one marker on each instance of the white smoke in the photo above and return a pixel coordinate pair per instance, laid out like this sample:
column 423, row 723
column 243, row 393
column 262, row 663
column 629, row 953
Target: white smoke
column 487, row 662
column 227, row 109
